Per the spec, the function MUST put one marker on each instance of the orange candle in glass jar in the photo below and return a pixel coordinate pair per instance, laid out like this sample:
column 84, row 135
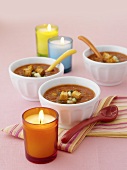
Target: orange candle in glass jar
column 40, row 127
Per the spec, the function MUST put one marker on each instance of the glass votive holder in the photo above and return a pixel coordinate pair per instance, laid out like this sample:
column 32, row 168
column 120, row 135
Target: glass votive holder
column 40, row 129
column 57, row 46
column 43, row 33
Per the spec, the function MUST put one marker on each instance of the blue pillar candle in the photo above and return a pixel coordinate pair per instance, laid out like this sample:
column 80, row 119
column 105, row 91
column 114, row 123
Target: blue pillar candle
column 57, row 46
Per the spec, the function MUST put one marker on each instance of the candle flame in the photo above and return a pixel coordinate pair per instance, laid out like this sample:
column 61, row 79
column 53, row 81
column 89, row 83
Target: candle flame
column 62, row 40
column 41, row 116
column 49, row 27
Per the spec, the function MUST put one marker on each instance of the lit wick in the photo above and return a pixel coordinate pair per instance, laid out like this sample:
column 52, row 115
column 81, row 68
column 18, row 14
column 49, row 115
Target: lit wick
column 62, row 40
column 41, row 116
column 49, row 27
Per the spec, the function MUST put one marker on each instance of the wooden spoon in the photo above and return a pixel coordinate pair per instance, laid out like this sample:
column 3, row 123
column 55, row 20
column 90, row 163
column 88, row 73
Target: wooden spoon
column 62, row 57
column 92, row 47
column 106, row 114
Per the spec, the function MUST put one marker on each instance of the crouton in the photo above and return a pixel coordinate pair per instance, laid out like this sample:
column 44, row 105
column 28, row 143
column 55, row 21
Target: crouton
column 28, row 71
column 106, row 57
column 76, row 94
column 63, row 96
column 40, row 70
column 109, row 58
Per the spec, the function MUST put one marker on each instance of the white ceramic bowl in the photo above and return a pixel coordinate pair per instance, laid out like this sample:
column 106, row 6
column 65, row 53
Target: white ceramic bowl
column 28, row 86
column 71, row 114
column 106, row 74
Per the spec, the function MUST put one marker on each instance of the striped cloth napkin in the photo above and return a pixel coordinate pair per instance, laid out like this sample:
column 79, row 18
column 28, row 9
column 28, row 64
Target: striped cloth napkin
column 117, row 128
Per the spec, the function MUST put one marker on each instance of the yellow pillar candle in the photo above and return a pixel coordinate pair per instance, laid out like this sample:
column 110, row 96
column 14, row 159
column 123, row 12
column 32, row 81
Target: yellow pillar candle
column 43, row 33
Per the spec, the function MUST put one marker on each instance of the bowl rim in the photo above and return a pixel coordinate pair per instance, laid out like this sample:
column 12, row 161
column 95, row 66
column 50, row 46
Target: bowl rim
column 104, row 64
column 34, row 78
column 69, row 105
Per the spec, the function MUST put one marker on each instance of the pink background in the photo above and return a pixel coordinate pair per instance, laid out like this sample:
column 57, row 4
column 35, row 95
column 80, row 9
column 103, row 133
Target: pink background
column 103, row 22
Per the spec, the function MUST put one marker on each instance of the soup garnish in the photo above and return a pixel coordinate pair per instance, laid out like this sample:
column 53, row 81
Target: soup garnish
column 69, row 94
column 109, row 57
column 35, row 70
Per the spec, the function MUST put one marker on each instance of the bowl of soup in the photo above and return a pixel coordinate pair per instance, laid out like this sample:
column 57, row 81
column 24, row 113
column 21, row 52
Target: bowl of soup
column 28, row 74
column 75, row 98
column 112, row 70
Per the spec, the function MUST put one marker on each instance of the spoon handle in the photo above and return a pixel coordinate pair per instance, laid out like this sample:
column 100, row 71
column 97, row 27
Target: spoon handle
column 62, row 57
column 84, row 39
column 68, row 135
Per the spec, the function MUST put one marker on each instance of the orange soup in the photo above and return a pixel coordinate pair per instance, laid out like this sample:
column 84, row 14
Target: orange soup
column 69, row 94
column 35, row 70
column 109, row 57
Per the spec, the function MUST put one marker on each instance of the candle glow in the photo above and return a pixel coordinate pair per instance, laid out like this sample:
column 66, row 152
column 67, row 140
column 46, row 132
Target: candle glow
column 62, row 40
column 49, row 27
column 41, row 116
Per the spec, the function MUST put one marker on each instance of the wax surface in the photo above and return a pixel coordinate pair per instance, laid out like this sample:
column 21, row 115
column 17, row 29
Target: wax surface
column 59, row 42
column 35, row 119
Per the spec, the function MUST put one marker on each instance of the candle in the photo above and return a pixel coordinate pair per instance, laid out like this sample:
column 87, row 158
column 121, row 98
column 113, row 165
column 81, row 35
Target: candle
column 35, row 119
column 57, row 46
column 40, row 127
column 43, row 33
